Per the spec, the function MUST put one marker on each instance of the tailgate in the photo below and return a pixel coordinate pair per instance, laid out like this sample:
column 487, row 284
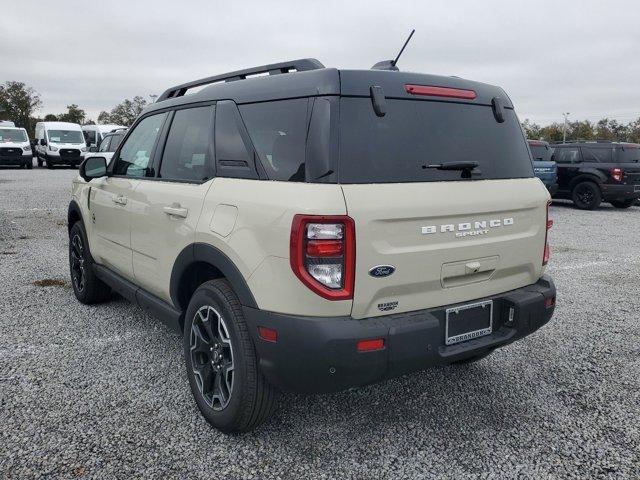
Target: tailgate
column 449, row 242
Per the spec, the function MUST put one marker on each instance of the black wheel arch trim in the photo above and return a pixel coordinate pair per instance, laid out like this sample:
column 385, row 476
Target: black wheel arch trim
column 586, row 177
column 205, row 253
column 73, row 211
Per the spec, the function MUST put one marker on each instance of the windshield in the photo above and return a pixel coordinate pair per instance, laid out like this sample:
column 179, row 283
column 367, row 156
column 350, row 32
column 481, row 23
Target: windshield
column 65, row 136
column 401, row 146
column 541, row 152
column 12, row 135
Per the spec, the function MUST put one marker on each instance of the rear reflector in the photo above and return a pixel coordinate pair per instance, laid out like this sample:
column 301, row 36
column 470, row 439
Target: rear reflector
column 549, row 302
column 371, row 345
column 440, row 91
column 268, row 334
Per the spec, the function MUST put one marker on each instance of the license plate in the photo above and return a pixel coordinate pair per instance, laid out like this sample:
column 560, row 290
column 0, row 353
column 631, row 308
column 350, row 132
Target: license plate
column 467, row 322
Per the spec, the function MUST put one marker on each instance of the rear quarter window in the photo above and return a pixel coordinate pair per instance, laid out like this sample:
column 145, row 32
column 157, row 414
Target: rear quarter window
column 414, row 134
column 278, row 131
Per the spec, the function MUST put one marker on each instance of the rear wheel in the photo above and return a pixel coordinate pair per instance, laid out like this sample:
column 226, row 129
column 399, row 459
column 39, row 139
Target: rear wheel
column 87, row 287
column 623, row 203
column 222, row 364
column 586, row 196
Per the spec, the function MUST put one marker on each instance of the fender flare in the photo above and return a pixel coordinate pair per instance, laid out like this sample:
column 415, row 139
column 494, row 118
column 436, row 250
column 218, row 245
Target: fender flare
column 73, row 211
column 585, row 177
column 205, row 253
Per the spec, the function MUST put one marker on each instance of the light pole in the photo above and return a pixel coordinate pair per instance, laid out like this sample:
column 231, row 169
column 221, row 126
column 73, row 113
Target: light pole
column 153, row 98
column 564, row 127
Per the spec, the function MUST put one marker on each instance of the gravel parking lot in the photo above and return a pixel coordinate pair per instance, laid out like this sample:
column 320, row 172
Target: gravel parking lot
column 101, row 392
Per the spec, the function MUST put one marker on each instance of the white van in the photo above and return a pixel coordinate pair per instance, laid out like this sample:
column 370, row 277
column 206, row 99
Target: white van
column 93, row 134
column 59, row 143
column 15, row 148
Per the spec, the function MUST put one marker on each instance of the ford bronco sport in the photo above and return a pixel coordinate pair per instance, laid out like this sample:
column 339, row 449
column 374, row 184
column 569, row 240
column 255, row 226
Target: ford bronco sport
column 596, row 171
column 315, row 229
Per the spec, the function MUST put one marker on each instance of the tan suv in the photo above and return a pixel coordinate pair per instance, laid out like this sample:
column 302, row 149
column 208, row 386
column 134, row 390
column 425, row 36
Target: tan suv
column 315, row 229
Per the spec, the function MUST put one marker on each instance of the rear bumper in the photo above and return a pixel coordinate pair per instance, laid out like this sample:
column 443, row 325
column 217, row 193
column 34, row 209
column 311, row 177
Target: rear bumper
column 16, row 159
column 314, row 354
column 619, row 192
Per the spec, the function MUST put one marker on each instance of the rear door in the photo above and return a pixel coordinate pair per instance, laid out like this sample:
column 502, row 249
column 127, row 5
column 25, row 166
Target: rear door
column 166, row 209
column 452, row 236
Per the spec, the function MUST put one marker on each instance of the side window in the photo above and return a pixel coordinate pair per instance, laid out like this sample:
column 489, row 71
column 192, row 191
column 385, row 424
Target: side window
column 90, row 136
column 186, row 154
column 135, row 154
column 234, row 154
column 279, row 131
column 597, row 154
column 104, row 144
column 567, row 155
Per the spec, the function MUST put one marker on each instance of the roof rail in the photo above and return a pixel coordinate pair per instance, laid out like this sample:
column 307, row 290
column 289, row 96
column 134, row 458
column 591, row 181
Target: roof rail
column 272, row 69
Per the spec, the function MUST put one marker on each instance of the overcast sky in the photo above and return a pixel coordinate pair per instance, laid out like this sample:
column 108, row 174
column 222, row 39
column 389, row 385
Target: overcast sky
column 575, row 56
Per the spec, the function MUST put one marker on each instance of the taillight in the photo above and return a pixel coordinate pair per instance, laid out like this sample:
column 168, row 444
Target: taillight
column 547, row 250
column 323, row 253
column 433, row 91
column 617, row 174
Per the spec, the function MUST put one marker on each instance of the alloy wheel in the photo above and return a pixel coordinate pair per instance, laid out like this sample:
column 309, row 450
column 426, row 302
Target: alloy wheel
column 212, row 357
column 77, row 263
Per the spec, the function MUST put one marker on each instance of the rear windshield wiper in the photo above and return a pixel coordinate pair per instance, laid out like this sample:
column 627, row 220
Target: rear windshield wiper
column 454, row 166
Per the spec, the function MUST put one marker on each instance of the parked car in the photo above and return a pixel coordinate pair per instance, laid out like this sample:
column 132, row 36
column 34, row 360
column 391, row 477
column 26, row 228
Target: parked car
column 543, row 166
column 592, row 172
column 59, row 143
column 94, row 134
column 7, row 123
column 15, row 148
column 318, row 233
column 108, row 145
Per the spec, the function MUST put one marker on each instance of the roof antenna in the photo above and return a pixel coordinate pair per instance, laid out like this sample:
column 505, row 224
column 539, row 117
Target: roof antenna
column 391, row 64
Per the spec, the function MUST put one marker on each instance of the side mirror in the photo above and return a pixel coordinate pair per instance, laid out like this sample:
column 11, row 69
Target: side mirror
column 93, row 149
column 43, row 142
column 93, row 167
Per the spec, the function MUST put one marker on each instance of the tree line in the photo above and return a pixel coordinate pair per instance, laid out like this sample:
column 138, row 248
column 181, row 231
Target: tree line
column 605, row 129
column 19, row 103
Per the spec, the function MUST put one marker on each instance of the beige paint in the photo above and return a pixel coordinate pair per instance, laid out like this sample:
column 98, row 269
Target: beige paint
column 250, row 221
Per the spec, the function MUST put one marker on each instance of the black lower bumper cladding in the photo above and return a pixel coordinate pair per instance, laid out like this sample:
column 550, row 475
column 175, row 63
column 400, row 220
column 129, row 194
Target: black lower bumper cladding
column 314, row 354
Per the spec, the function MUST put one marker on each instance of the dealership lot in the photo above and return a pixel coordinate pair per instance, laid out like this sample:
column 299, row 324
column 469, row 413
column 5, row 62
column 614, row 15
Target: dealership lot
column 101, row 390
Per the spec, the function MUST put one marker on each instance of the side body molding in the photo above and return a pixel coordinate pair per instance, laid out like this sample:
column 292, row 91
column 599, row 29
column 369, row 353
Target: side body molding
column 205, row 253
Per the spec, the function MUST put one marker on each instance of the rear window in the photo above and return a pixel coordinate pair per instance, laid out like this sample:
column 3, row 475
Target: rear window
column 541, row 152
column 414, row 134
column 630, row 154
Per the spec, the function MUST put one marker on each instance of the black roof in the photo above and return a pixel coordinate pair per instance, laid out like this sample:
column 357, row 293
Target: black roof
column 308, row 77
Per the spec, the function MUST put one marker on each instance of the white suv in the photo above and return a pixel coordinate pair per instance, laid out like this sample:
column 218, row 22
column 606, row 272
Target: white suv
column 317, row 229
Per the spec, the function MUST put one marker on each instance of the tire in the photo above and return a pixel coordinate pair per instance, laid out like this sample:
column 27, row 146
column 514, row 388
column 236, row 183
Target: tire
column 586, row 196
column 474, row 359
column 221, row 361
column 87, row 288
column 623, row 203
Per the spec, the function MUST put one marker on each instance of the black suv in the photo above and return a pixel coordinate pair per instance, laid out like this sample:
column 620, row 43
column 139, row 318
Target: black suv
column 592, row 172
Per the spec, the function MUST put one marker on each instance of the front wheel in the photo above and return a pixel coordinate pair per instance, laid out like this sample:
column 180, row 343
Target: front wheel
column 586, row 196
column 87, row 287
column 222, row 365
column 623, row 203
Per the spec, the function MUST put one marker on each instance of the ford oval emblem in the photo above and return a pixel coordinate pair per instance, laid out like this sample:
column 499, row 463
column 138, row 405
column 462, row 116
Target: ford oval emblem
column 380, row 271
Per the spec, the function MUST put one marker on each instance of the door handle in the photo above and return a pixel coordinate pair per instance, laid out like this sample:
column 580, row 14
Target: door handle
column 119, row 199
column 175, row 210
